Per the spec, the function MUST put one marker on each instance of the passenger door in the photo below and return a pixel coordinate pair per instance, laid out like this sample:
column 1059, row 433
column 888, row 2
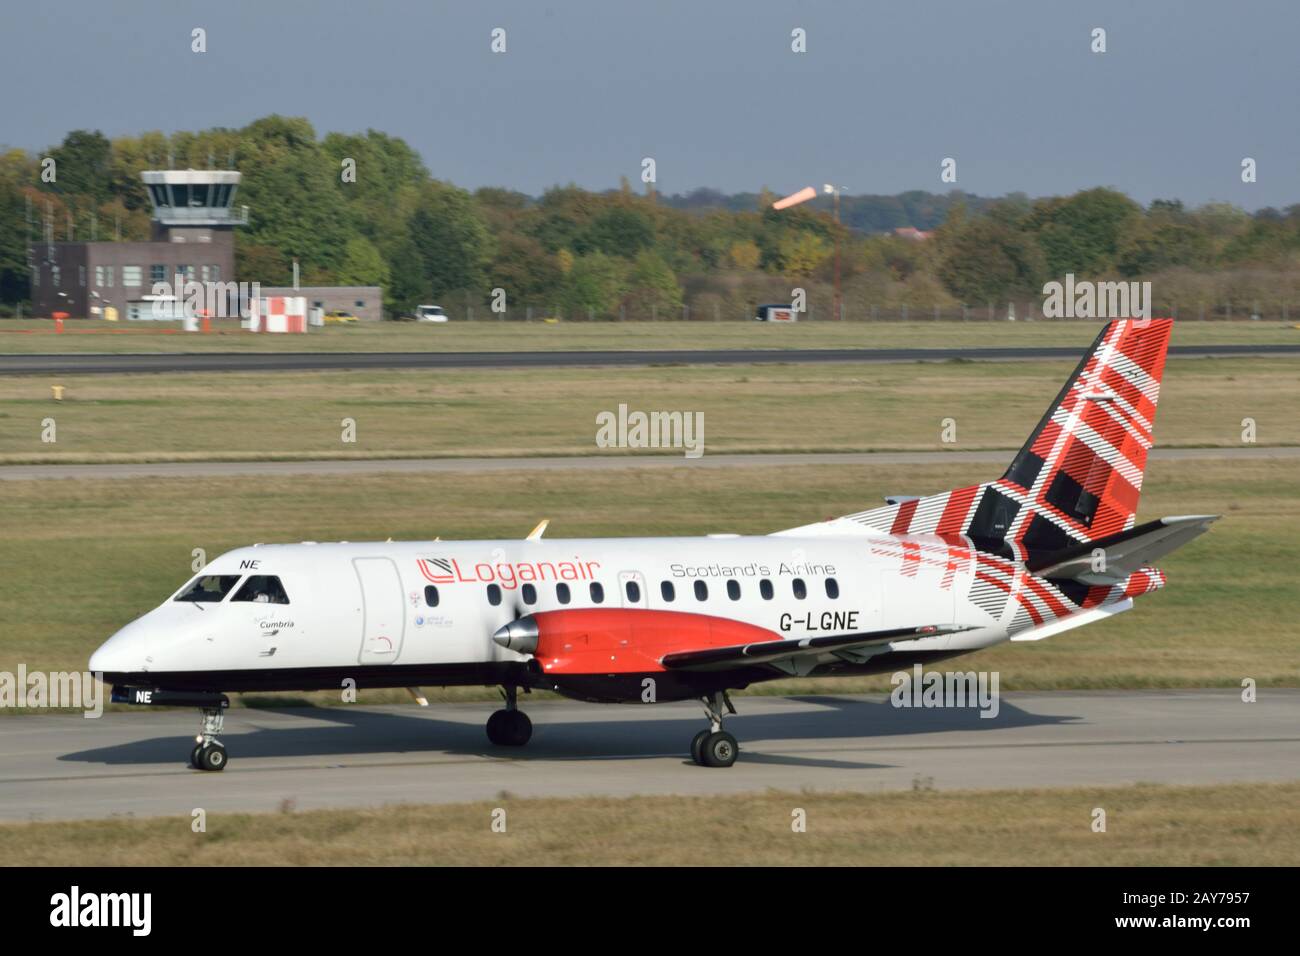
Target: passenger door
column 383, row 610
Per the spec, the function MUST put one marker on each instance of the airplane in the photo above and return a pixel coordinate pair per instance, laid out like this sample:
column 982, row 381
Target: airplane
column 1051, row 545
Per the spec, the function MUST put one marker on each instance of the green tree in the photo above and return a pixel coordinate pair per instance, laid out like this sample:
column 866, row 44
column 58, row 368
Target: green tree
column 406, row 287
column 595, row 284
column 17, row 174
column 620, row 231
column 562, row 219
column 529, row 274
column 744, row 255
column 454, row 244
column 83, row 166
column 288, row 183
column 362, row 264
column 802, row 253
column 983, row 259
column 1162, row 243
column 1083, row 234
column 257, row 262
column 653, row 288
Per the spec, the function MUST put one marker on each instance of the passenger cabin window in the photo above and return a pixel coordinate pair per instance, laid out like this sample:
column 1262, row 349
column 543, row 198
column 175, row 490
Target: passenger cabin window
column 597, row 592
column 733, row 589
column 765, row 589
column 262, row 589
column 209, row 588
column 800, row 589
column 668, row 591
column 832, row 588
column 430, row 595
column 494, row 594
column 529, row 593
column 634, row 592
column 701, row 591
column 562, row 593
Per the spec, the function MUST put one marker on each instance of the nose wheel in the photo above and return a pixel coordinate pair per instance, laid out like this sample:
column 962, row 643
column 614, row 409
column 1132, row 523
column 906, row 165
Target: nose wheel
column 715, row 747
column 209, row 753
column 510, row 727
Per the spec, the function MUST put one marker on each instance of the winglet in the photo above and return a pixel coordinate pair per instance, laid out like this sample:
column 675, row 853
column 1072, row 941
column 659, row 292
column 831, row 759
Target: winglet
column 536, row 533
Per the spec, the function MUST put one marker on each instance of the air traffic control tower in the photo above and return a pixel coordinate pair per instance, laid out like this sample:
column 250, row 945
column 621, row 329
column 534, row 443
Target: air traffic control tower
column 192, row 234
column 191, row 204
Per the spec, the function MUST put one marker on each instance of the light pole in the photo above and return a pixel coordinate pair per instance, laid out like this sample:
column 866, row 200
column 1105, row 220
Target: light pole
column 835, row 205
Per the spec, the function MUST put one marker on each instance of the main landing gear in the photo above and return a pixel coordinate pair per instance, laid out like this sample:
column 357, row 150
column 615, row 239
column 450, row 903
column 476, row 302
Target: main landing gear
column 510, row 727
column 209, row 753
column 715, row 747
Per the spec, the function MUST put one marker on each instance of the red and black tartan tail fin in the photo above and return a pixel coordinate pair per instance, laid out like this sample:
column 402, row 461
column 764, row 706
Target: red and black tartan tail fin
column 1079, row 475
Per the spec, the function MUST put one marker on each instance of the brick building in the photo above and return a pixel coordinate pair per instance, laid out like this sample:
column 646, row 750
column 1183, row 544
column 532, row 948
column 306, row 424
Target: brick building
column 194, row 219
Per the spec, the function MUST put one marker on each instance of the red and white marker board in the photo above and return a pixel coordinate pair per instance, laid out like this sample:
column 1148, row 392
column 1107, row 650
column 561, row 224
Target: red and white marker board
column 279, row 313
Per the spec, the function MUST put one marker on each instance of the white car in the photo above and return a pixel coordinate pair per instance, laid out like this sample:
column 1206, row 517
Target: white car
column 430, row 313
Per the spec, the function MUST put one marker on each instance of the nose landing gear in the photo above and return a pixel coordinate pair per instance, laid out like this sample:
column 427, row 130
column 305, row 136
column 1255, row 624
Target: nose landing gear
column 209, row 753
column 510, row 727
column 715, row 747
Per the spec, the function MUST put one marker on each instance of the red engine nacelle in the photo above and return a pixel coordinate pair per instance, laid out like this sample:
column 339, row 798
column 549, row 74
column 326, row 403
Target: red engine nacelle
column 620, row 640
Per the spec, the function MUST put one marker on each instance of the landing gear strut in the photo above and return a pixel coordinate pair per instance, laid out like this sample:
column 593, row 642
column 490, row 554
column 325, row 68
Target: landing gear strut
column 715, row 747
column 209, row 753
column 510, row 727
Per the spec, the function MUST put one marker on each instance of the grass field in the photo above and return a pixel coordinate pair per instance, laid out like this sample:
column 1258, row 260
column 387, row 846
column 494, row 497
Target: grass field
column 1233, row 825
column 553, row 412
column 81, row 557
column 493, row 335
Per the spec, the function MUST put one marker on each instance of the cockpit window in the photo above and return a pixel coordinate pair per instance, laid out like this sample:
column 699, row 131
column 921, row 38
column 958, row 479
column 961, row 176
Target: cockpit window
column 209, row 588
column 262, row 589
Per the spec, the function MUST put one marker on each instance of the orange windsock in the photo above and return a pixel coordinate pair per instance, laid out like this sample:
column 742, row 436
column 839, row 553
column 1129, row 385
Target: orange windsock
column 802, row 195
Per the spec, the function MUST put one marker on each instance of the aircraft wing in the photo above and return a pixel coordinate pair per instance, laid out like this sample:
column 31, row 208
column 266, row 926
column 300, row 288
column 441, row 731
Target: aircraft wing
column 770, row 652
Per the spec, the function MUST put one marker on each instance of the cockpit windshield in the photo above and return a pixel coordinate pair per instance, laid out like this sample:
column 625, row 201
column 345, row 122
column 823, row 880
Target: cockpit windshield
column 262, row 589
column 208, row 588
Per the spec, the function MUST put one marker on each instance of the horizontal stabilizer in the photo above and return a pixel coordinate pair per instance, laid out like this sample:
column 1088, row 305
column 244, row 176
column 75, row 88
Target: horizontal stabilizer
column 1112, row 559
column 767, row 652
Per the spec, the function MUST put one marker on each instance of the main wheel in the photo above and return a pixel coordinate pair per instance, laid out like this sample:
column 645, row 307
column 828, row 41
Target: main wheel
column 697, row 744
column 212, row 757
column 719, row 750
column 519, row 729
column 194, row 757
column 496, row 727
column 509, row 728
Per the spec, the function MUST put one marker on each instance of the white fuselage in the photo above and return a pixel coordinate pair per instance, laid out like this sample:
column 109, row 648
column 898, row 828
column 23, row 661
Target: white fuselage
column 366, row 604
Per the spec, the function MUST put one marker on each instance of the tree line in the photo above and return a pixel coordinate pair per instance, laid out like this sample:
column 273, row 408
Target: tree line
column 363, row 209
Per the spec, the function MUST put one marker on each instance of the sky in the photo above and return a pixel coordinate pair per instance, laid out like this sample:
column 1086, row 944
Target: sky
column 710, row 90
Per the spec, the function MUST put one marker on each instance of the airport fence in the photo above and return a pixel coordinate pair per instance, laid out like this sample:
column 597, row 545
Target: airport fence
column 1024, row 311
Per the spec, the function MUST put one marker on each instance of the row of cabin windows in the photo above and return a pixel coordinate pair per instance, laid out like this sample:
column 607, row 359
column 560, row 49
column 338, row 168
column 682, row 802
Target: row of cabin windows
column 564, row 595
column 528, row 592
column 797, row 587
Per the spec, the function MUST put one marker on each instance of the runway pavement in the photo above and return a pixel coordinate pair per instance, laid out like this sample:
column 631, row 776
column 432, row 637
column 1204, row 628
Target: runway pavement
column 119, row 363
column 370, row 466
column 63, row 766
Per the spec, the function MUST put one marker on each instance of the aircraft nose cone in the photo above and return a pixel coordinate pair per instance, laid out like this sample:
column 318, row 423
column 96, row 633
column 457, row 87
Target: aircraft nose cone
column 520, row 635
column 114, row 656
column 132, row 648
column 100, row 660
